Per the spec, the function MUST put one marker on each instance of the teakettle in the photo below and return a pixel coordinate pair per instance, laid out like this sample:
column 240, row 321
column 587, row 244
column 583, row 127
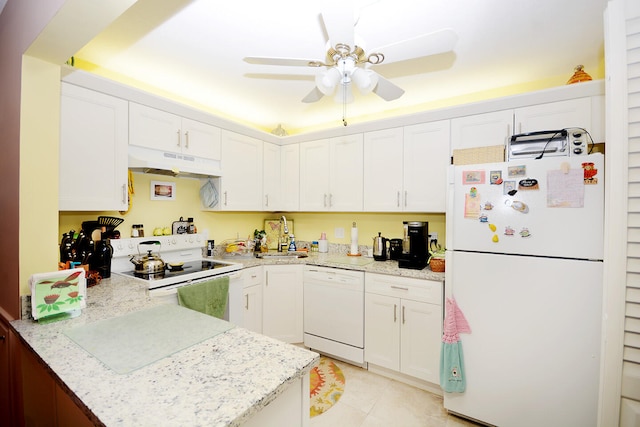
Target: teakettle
column 149, row 264
column 380, row 248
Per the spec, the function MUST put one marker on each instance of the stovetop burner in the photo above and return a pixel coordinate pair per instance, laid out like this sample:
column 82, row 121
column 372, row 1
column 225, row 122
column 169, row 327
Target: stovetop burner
column 188, row 267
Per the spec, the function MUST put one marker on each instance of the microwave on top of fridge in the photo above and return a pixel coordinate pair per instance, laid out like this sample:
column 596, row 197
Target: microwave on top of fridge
column 549, row 143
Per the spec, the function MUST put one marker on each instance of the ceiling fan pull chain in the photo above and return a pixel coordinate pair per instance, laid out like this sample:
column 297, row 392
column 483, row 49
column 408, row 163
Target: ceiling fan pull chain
column 344, row 105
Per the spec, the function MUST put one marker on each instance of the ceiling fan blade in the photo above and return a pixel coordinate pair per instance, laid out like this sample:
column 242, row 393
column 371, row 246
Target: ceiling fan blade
column 338, row 20
column 314, row 96
column 387, row 90
column 295, row 62
column 425, row 45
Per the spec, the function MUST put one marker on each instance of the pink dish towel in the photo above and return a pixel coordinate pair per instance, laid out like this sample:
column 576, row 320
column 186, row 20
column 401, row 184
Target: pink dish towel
column 454, row 322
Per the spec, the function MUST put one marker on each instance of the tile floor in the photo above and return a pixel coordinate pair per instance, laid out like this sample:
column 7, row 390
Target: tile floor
column 371, row 400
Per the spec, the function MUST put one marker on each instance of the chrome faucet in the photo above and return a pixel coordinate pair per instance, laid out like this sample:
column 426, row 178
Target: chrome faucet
column 284, row 230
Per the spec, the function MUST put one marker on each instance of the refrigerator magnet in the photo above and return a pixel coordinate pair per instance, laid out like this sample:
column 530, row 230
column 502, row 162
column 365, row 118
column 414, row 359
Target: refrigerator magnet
column 473, row 177
column 495, row 238
column 483, row 218
column 509, row 187
column 528, row 184
column 590, row 173
column 517, row 171
column 487, row 206
column 495, row 177
column 508, row 231
column 520, row 206
column 525, row 232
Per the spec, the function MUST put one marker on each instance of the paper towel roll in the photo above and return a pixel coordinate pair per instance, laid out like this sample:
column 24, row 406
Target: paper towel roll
column 354, row 240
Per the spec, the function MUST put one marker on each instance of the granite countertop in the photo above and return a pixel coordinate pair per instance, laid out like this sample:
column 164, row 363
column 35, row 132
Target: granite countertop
column 342, row 260
column 221, row 381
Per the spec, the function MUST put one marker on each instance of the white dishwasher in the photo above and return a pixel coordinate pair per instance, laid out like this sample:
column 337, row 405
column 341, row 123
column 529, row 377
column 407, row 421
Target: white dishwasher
column 334, row 312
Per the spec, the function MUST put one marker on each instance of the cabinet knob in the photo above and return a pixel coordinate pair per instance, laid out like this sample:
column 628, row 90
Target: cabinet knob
column 3, row 337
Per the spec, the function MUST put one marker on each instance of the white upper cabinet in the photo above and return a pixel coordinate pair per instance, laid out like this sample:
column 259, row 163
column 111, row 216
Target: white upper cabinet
column 281, row 177
column 333, row 177
column 290, row 177
column 242, row 165
column 405, row 169
column 272, row 178
column 554, row 115
column 481, row 130
column 426, row 158
column 153, row 128
column 383, row 166
column 93, row 151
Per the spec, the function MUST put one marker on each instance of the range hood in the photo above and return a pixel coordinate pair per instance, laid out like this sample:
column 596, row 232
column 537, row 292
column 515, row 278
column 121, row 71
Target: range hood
column 149, row 160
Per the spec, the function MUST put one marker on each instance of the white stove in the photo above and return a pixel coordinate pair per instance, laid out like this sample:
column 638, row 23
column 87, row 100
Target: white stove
column 177, row 248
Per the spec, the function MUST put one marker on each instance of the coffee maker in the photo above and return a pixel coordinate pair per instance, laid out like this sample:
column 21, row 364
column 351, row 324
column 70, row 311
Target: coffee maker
column 414, row 245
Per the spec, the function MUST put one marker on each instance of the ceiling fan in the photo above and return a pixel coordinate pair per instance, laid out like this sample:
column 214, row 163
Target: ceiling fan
column 347, row 61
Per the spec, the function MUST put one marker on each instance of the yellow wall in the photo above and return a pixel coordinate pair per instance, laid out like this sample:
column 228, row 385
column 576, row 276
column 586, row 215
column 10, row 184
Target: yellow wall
column 39, row 130
column 230, row 225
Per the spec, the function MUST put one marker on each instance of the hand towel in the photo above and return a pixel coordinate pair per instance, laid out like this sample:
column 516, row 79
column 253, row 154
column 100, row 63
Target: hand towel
column 452, row 373
column 209, row 297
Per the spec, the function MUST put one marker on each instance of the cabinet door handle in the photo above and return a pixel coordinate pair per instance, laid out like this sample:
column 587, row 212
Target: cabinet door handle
column 508, row 130
column 325, row 200
column 403, row 319
column 330, row 199
column 398, row 199
column 179, row 138
column 395, row 313
column 225, row 198
column 402, row 288
column 405, row 198
column 186, row 139
column 266, row 277
column 266, row 200
column 246, row 302
column 124, row 194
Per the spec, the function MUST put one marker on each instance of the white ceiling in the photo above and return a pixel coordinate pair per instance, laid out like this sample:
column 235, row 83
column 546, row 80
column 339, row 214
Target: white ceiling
column 195, row 50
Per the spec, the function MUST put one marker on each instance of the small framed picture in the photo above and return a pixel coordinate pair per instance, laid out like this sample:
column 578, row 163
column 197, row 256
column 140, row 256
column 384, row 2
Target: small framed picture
column 509, row 186
column 473, row 177
column 163, row 190
column 517, row 171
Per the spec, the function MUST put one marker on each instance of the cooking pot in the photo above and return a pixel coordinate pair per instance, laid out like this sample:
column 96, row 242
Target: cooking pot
column 380, row 248
column 150, row 264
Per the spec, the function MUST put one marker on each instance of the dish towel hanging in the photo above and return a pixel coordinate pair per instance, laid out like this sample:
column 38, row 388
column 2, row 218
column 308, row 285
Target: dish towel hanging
column 208, row 297
column 452, row 374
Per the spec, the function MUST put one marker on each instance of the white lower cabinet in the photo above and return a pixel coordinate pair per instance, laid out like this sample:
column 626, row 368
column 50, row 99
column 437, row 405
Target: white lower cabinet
column 403, row 325
column 252, row 299
column 282, row 302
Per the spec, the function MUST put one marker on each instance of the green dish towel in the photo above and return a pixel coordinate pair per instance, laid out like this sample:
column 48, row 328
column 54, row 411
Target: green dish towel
column 208, row 297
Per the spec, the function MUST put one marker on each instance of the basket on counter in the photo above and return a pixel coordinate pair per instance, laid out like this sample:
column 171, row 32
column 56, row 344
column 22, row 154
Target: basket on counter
column 437, row 265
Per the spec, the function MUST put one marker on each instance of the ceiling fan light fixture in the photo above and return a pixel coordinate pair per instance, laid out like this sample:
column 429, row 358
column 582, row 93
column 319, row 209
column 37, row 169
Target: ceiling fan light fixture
column 327, row 81
column 366, row 80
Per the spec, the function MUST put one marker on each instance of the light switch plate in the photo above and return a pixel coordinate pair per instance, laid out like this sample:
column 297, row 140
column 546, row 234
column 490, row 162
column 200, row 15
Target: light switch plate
column 339, row 233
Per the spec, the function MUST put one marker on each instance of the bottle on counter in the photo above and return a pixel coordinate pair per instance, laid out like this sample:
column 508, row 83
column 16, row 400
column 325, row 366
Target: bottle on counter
column 292, row 243
column 323, row 244
column 101, row 260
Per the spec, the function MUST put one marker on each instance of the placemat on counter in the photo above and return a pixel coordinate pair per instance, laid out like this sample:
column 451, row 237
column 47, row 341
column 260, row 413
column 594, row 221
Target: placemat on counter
column 132, row 341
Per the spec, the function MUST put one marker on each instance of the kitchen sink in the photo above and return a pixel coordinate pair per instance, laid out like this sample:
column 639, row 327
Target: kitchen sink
column 293, row 254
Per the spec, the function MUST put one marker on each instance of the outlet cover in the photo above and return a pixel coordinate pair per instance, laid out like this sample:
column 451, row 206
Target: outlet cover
column 338, row 233
column 433, row 236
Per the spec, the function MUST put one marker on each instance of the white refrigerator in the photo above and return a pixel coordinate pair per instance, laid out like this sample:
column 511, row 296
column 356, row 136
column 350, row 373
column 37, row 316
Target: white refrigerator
column 524, row 263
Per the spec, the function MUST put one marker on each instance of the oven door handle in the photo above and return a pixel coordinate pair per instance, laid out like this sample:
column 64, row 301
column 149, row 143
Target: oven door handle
column 171, row 290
